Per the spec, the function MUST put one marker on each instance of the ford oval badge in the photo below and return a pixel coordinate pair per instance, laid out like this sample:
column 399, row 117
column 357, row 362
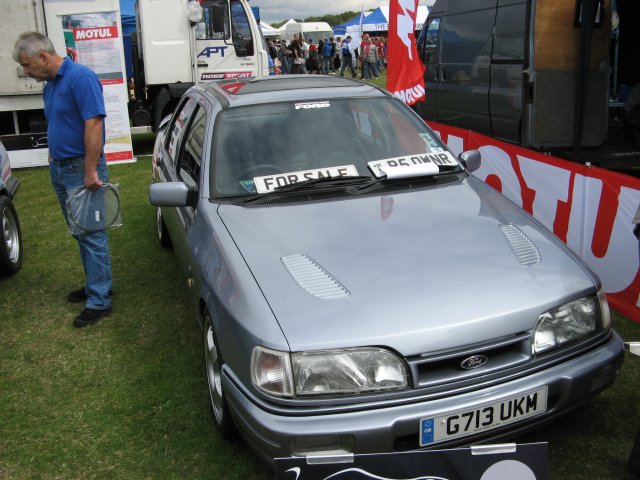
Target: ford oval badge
column 474, row 362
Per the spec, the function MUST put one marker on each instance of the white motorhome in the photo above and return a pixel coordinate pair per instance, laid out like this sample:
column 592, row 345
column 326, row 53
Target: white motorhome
column 309, row 30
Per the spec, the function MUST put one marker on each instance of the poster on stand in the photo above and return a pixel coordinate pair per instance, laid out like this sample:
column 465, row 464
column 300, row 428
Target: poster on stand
column 94, row 40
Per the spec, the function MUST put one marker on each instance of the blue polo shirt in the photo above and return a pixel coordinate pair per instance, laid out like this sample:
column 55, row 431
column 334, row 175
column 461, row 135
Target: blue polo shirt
column 75, row 95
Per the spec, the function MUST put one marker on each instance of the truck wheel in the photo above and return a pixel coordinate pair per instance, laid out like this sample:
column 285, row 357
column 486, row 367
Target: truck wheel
column 141, row 117
column 10, row 239
column 213, row 369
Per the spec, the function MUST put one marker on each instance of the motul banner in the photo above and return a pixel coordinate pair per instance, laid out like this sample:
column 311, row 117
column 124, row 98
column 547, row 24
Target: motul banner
column 405, row 74
column 588, row 208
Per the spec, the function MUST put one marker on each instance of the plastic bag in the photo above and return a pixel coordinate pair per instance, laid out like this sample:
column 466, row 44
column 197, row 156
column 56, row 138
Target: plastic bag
column 91, row 211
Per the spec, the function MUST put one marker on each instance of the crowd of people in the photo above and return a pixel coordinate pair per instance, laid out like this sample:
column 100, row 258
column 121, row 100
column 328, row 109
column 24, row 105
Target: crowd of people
column 328, row 56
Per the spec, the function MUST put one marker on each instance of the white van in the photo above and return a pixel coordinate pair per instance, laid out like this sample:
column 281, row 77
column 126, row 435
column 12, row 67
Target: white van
column 309, row 30
column 510, row 69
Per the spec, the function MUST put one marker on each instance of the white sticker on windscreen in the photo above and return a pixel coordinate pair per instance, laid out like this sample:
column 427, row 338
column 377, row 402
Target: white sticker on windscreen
column 432, row 143
column 311, row 105
column 412, row 165
column 269, row 183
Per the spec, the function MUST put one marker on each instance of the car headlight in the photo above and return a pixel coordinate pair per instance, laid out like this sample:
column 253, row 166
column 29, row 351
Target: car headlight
column 327, row 372
column 569, row 322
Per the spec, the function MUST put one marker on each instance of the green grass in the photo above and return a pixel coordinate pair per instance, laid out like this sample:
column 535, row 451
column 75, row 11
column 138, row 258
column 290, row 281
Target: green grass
column 128, row 398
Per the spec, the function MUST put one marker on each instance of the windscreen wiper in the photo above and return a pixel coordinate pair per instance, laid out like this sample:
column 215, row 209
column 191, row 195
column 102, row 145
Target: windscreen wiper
column 315, row 183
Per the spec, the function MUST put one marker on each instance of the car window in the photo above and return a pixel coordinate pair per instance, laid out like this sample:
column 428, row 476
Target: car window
column 215, row 20
column 240, row 27
column 508, row 43
column 428, row 40
column 467, row 37
column 177, row 126
column 191, row 153
column 268, row 139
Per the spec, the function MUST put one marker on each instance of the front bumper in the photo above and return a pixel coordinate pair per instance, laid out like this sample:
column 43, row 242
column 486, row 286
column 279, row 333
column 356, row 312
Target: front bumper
column 13, row 184
column 396, row 427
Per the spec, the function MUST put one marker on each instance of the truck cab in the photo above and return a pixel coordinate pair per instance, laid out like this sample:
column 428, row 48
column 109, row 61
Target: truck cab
column 180, row 43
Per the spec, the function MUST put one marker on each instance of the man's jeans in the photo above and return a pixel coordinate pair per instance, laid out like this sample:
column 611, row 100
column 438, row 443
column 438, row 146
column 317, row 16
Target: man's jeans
column 67, row 175
column 325, row 65
column 347, row 62
column 369, row 69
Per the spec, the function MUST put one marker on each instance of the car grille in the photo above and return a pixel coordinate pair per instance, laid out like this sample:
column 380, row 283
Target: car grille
column 443, row 370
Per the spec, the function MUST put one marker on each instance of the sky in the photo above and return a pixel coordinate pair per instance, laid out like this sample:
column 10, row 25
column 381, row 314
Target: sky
column 280, row 10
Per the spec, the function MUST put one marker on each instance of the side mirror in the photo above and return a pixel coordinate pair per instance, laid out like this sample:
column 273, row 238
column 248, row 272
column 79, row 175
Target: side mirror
column 171, row 194
column 470, row 160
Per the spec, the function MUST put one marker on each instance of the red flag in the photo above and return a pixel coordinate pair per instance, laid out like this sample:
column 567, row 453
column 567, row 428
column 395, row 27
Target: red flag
column 405, row 74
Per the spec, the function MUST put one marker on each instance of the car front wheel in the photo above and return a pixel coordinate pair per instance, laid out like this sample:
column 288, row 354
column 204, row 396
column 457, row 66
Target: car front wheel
column 10, row 239
column 163, row 234
column 213, row 368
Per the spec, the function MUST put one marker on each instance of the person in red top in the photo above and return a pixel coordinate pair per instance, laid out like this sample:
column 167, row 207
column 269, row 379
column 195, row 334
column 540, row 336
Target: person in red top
column 363, row 42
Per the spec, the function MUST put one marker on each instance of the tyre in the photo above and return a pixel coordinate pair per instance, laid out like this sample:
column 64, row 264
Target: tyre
column 10, row 239
column 163, row 234
column 213, row 368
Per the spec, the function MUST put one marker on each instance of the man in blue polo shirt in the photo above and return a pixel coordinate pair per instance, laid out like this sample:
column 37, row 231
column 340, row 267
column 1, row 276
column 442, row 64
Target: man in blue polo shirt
column 74, row 108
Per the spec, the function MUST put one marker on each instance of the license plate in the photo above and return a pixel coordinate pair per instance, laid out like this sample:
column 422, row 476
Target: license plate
column 482, row 418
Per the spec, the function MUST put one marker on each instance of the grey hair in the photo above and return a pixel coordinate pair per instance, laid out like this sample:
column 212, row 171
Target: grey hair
column 31, row 44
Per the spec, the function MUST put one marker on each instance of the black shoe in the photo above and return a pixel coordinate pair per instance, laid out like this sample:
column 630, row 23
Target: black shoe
column 80, row 295
column 90, row 316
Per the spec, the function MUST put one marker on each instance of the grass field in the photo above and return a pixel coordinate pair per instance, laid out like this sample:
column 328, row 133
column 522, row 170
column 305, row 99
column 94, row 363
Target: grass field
column 127, row 398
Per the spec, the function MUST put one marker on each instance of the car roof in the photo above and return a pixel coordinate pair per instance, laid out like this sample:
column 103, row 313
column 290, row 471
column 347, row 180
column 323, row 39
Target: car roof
column 277, row 88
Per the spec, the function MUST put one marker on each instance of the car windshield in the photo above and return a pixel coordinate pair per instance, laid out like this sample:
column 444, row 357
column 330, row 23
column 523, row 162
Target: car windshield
column 264, row 147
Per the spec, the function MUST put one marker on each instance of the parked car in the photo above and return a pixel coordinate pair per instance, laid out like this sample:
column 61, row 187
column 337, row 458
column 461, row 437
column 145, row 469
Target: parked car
column 359, row 291
column 10, row 234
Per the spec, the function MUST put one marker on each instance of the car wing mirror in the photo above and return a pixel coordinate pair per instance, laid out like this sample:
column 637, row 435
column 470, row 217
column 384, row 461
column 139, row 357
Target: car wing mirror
column 171, row 194
column 470, row 160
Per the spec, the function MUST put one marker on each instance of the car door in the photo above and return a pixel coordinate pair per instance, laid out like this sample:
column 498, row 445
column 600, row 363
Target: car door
column 429, row 50
column 186, row 149
column 464, row 67
column 508, row 59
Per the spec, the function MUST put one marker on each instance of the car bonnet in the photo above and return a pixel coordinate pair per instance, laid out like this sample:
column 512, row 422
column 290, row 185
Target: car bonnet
column 418, row 271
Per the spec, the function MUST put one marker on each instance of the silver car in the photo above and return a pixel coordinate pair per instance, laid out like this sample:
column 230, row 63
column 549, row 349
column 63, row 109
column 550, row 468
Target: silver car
column 358, row 290
column 10, row 233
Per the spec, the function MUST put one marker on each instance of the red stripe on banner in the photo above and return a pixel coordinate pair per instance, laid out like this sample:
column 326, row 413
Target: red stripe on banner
column 112, row 81
column 127, row 155
column 405, row 70
column 588, row 208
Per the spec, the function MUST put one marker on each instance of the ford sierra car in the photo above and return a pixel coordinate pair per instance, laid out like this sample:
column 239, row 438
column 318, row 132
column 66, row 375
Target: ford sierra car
column 358, row 289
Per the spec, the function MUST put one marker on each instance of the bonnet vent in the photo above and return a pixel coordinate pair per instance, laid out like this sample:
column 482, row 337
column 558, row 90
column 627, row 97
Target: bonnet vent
column 313, row 278
column 525, row 251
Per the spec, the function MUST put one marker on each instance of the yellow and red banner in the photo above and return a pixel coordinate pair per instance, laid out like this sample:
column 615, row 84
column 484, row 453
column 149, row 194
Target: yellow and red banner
column 405, row 74
column 589, row 208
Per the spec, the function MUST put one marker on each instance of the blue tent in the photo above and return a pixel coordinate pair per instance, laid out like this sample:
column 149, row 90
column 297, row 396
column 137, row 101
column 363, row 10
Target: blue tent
column 376, row 20
column 127, row 7
column 342, row 28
